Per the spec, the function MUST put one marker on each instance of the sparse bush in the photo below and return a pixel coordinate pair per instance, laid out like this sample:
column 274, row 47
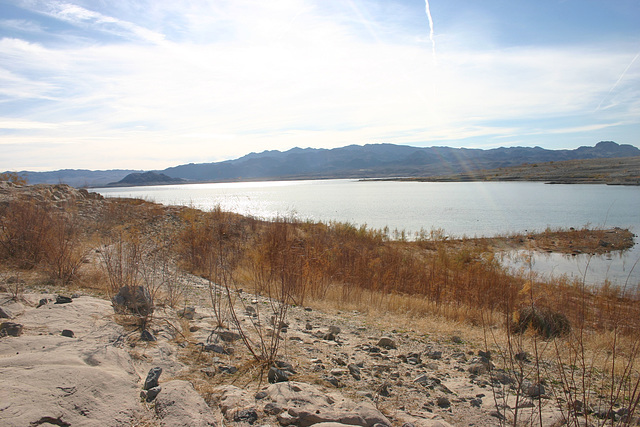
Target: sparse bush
column 546, row 322
column 64, row 252
column 25, row 227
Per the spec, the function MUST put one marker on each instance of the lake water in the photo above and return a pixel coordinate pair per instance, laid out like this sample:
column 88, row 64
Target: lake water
column 469, row 209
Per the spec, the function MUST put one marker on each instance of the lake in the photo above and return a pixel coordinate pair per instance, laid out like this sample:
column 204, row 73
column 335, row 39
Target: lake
column 460, row 209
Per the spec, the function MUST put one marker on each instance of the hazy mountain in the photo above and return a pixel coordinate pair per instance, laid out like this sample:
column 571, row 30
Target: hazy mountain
column 383, row 160
column 76, row 177
column 353, row 161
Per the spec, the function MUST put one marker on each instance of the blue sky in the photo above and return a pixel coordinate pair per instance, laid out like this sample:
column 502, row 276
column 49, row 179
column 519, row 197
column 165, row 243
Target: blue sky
column 151, row 84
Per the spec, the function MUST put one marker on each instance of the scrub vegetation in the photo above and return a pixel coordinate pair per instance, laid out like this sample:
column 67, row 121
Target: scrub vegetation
column 585, row 339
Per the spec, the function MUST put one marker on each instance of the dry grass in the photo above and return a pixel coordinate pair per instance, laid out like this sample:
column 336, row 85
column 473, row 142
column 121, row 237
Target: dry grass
column 425, row 285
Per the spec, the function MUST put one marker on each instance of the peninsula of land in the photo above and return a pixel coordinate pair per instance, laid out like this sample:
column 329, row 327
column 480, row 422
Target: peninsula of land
column 614, row 171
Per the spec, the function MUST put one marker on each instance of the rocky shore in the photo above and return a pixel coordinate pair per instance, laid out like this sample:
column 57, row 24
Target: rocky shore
column 73, row 361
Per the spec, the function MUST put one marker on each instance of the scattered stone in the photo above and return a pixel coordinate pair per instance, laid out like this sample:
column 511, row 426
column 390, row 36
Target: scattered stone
column 43, row 301
column 502, row 377
column 443, row 402
column 354, row 370
column 533, row 390
column 332, row 380
column 228, row 369
column 150, row 394
column 152, row 378
column 68, row 333
column 147, row 336
column 61, row 299
column 246, row 415
column 272, row 409
column 384, row 391
column 434, row 354
column 308, row 326
column 216, row 348
column 276, row 375
column 386, row 342
column 476, row 403
column 485, row 354
column 4, row 314
column 187, row 313
column 478, row 368
column 228, row 336
column 329, row 336
column 10, row 329
column 133, row 299
column 335, row 330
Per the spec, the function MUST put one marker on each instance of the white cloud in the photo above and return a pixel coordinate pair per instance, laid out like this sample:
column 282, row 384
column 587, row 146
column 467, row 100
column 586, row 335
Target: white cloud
column 236, row 77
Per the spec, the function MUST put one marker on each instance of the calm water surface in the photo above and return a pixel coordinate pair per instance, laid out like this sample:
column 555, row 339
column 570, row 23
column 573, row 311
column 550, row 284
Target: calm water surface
column 469, row 209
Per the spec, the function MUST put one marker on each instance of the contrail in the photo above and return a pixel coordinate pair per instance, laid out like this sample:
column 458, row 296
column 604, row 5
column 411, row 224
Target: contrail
column 618, row 81
column 433, row 41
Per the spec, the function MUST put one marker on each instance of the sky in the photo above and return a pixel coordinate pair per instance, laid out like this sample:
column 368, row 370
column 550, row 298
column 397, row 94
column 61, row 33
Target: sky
column 149, row 84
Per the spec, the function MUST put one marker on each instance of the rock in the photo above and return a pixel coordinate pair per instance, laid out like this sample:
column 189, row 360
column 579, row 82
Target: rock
column 133, row 299
column 308, row 326
column 187, row 313
column 354, row 370
column 329, row 337
column 335, row 330
column 533, row 390
column 228, row 336
column 246, row 416
column 4, row 314
column 43, row 301
column 216, row 348
column 272, row 409
column 434, row 354
column 476, row 402
column 152, row 378
column 485, row 354
column 276, row 375
column 386, row 342
column 478, row 368
column 422, row 380
column 10, row 329
column 67, row 333
column 285, row 366
column 150, row 394
column 384, row 391
column 502, row 377
column 61, row 299
column 443, row 402
column 332, row 380
column 233, row 399
column 147, row 336
column 228, row 369
column 308, row 405
column 180, row 405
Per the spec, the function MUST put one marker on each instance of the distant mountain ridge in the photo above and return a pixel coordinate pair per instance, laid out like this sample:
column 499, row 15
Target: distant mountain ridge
column 383, row 160
column 353, row 161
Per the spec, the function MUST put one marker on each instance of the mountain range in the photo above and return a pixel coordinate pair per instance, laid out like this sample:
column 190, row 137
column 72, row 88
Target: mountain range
column 353, row 161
